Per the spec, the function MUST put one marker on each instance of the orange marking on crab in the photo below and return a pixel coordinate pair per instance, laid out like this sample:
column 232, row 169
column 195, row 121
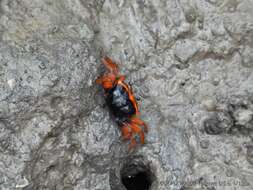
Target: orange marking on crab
column 131, row 96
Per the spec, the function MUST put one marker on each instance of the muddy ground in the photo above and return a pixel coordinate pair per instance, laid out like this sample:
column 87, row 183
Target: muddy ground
column 190, row 63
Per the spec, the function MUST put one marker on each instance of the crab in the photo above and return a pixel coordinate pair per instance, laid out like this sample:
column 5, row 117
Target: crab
column 122, row 104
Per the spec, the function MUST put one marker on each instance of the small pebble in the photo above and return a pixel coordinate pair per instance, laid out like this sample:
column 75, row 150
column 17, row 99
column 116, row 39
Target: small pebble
column 244, row 116
column 204, row 144
column 11, row 83
column 209, row 104
column 229, row 173
column 23, row 182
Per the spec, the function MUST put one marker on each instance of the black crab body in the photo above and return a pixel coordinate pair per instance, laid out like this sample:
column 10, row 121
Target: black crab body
column 119, row 103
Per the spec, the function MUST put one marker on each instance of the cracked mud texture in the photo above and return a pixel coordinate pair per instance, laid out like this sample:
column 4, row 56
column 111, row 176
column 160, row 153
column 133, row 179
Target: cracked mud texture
column 190, row 64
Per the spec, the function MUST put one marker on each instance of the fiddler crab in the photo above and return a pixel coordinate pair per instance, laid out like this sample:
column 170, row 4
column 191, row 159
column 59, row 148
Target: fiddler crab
column 122, row 104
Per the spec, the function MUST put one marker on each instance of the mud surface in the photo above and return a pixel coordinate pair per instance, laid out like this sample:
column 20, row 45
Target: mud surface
column 190, row 64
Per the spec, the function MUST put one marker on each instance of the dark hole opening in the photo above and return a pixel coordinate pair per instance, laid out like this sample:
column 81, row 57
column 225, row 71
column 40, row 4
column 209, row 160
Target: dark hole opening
column 136, row 177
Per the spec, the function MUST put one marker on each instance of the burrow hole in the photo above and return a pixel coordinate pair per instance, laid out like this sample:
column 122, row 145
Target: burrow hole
column 136, row 176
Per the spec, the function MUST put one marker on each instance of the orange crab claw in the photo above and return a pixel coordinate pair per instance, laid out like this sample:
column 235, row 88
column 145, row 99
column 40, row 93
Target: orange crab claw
column 107, row 81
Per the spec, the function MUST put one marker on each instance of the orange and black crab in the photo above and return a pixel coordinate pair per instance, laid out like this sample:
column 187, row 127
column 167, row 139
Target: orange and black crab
column 122, row 103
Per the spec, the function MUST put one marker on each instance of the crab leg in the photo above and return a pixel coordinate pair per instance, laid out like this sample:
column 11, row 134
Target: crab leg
column 126, row 131
column 110, row 65
column 139, row 122
column 137, row 129
column 132, row 144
